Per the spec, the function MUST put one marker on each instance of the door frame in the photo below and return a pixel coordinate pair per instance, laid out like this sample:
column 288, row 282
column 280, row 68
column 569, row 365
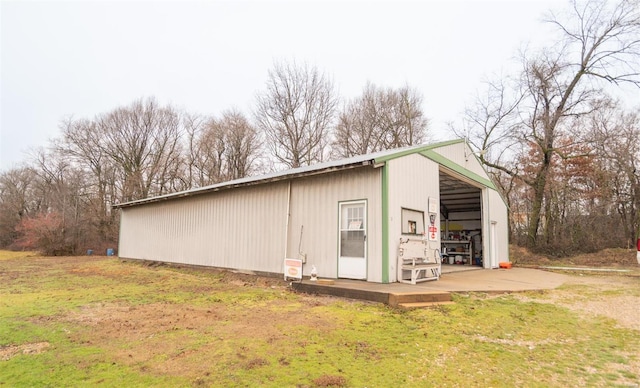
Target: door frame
column 493, row 244
column 340, row 230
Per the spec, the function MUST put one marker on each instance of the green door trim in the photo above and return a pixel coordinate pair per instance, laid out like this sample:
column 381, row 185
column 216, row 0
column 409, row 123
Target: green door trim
column 385, row 223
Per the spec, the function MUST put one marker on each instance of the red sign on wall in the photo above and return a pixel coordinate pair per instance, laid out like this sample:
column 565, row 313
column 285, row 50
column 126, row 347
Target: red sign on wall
column 433, row 232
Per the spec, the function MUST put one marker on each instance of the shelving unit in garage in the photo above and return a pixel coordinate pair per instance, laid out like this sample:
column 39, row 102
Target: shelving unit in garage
column 461, row 248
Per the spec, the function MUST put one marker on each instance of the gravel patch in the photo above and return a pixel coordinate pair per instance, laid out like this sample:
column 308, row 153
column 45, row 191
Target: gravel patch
column 615, row 297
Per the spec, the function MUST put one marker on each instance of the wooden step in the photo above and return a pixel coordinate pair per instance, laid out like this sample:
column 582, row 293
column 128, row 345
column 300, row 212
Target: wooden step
column 421, row 305
column 396, row 299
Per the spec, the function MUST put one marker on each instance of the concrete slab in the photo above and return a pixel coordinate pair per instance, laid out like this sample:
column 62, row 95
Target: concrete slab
column 496, row 280
column 449, row 268
column 483, row 280
column 480, row 280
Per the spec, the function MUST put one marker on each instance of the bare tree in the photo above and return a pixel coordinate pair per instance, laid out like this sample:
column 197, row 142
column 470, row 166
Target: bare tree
column 616, row 136
column 222, row 149
column 196, row 159
column 59, row 185
column 380, row 119
column 83, row 144
column 143, row 141
column 598, row 42
column 17, row 201
column 295, row 113
column 243, row 145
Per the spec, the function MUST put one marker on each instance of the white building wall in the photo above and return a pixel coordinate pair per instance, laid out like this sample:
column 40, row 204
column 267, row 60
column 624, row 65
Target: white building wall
column 242, row 228
column 462, row 155
column 315, row 205
column 411, row 181
column 495, row 213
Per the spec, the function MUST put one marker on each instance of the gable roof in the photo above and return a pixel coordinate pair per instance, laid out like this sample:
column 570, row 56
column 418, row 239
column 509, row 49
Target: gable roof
column 373, row 159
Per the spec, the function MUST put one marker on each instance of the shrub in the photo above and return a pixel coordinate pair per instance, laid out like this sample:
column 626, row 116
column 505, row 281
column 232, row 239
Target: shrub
column 44, row 232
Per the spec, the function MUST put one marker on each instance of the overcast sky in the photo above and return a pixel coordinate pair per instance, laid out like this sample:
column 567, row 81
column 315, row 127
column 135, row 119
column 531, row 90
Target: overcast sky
column 82, row 58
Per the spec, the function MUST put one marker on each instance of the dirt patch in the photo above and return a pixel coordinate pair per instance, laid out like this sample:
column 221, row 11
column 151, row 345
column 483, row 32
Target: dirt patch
column 138, row 335
column 8, row 352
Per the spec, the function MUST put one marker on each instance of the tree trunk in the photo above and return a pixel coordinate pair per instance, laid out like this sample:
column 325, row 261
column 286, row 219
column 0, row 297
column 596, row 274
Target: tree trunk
column 538, row 199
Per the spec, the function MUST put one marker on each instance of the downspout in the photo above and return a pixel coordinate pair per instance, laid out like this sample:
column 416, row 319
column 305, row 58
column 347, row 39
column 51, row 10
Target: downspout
column 286, row 227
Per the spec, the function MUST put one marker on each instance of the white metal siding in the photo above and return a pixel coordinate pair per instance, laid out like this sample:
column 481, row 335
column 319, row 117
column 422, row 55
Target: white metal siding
column 462, row 155
column 241, row 228
column 315, row 205
column 244, row 228
column 412, row 180
column 497, row 212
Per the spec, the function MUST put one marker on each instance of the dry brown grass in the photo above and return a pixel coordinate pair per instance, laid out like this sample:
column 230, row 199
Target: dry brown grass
column 609, row 258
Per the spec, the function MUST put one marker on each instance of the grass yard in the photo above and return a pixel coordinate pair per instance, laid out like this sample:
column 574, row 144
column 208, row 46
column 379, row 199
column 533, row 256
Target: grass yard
column 86, row 321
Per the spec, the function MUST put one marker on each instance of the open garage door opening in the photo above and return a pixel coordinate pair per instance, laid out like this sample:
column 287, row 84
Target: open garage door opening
column 461, row 227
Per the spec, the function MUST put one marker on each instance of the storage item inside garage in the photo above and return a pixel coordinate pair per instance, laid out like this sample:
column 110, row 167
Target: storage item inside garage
column 461, row 221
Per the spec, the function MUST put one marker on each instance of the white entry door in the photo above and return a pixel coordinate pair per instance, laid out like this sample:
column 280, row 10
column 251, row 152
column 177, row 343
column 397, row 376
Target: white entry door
column 352, row 255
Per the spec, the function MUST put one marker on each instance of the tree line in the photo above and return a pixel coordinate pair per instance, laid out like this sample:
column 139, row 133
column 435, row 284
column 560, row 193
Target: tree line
column 60, row 201
column 563, row 151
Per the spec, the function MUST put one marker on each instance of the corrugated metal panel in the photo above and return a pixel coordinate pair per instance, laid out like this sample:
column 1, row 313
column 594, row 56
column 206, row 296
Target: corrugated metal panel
column 497, row 213
column 315, row 205
column 461, row 154
column 412, row 180
column 242, row 229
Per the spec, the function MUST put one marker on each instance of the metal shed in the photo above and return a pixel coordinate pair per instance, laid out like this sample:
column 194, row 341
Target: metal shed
column 344, row 217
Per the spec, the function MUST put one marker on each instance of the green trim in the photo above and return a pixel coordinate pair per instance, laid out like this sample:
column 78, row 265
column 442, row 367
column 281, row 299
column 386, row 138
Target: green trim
column 436, row 157
column 385, row 223
column 416, row 150
column 338, row 239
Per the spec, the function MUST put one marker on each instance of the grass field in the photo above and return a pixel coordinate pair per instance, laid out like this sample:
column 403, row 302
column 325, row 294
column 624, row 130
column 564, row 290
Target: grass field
column 86, row 321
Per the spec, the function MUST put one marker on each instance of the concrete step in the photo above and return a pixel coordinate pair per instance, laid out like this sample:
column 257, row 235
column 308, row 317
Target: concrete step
column 342, row 292
column 421, row 305
column 396, row 299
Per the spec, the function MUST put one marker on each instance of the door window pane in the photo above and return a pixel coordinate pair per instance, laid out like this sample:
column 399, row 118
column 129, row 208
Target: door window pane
column 352, row 243
column 352, row 233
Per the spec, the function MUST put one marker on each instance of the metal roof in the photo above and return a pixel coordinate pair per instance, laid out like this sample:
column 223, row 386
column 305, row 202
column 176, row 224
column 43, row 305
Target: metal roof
column 373, row 159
